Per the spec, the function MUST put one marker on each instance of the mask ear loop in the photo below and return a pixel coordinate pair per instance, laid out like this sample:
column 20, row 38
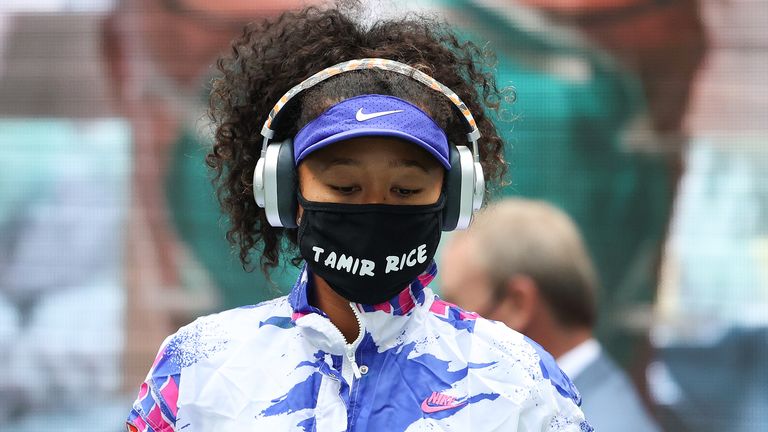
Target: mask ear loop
column 298, row 191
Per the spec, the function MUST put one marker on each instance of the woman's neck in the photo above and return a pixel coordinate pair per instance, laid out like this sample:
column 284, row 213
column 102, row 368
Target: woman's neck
column 336, row 307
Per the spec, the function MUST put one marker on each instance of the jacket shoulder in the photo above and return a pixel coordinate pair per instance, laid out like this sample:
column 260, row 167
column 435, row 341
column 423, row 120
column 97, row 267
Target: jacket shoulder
column 551, row 395
column 211, row 333
column 158, row 400
column 523, row 375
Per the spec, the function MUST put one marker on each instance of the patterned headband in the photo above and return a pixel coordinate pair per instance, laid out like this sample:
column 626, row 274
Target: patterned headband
column 375, row 63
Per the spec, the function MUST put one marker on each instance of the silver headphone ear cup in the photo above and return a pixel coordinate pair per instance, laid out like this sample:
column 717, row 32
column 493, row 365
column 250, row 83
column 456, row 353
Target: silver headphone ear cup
column 467, row 190
column 270, row 178
column 258, row 183
column 452, row 189
column 479, row 189
column 287, row 202
column 280, row 204
column 460, row 186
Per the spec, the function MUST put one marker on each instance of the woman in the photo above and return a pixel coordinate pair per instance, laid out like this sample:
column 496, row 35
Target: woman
column 360, row 164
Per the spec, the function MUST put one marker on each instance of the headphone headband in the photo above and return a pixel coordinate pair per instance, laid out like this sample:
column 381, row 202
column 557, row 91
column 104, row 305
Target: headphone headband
column 375, row 63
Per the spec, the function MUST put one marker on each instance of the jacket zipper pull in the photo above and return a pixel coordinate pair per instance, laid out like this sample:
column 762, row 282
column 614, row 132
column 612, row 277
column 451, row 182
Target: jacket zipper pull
column 351, row 358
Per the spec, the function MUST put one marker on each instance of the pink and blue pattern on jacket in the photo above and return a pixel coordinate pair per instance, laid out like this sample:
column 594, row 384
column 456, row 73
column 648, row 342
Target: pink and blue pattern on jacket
column 423, row 364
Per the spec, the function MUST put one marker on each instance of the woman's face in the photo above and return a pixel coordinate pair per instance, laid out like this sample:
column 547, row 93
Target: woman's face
column 371, row 170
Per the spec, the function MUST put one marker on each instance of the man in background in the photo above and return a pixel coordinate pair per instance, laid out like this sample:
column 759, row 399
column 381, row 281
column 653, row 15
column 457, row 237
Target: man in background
column 523, row 263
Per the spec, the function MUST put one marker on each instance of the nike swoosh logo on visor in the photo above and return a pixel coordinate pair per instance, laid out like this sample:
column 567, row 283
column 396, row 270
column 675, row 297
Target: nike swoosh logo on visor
column 361, row 116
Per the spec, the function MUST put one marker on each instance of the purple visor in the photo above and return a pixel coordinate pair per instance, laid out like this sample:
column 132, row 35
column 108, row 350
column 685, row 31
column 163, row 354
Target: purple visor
column 372, row 115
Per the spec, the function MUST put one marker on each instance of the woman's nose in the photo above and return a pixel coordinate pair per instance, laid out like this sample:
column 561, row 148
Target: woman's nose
column 376, row 194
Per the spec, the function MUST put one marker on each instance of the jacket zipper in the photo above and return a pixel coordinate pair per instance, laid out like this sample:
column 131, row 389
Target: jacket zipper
column 349, row 353
column 352, row 362
column 352, row 347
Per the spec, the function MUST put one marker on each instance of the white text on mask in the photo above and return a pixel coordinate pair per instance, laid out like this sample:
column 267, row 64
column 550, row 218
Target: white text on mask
column 364, row 267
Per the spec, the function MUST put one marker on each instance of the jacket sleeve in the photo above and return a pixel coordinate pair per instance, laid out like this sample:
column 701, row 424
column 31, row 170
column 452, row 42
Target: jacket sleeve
column 155, row 408
column 554, row 405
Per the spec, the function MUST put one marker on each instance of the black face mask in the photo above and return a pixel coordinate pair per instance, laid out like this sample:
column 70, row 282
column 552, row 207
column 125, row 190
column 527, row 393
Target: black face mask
column 368, row 253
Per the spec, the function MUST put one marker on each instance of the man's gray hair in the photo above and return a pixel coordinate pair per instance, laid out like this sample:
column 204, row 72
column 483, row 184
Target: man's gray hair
column 535, row 239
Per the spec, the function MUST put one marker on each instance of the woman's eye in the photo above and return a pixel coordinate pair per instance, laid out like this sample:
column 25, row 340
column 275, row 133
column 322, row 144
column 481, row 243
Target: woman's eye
column 345, row 190
column 405, row 192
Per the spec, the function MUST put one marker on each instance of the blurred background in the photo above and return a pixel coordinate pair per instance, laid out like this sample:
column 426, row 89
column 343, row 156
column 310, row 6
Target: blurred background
column 646, row 121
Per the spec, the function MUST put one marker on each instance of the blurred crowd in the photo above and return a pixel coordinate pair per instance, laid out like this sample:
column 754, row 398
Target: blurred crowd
column 630, row 239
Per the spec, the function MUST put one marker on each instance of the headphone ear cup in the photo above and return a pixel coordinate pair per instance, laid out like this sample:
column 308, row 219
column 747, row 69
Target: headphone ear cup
column 286, row 185
column 460, row 189
column 452, row 191
column 259, row 194
column 280, row 204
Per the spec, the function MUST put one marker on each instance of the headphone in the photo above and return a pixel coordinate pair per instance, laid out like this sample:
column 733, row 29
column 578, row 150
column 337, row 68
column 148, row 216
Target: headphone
column 274, row 179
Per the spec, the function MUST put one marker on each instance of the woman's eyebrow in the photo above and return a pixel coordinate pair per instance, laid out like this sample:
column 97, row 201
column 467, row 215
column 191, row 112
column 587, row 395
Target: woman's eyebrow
column 340, row 161
column 407, row 163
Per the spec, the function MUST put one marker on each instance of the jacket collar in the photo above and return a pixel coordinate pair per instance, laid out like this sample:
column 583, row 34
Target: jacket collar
column 384, row 321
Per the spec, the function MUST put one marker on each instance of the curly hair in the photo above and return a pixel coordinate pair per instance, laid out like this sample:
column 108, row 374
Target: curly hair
column 272, row 55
